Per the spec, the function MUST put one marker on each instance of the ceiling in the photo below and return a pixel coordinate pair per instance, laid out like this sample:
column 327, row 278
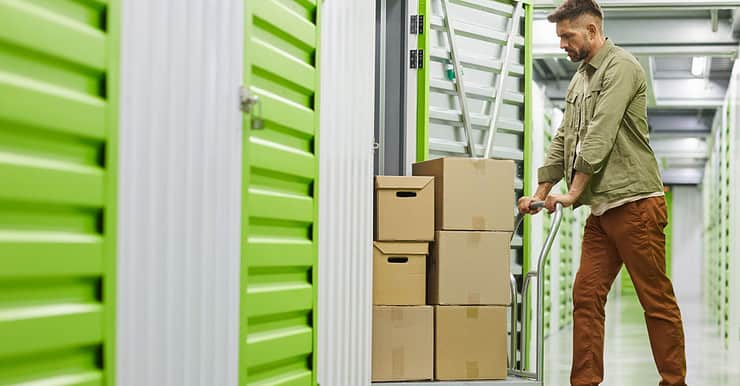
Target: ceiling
column 665, row 36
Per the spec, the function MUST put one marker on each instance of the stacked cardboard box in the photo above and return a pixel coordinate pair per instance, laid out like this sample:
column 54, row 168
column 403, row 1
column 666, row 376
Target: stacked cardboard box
column 403, row 325
column 468, row 270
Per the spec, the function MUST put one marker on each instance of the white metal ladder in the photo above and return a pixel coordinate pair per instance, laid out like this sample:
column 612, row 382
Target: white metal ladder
column 490, row 118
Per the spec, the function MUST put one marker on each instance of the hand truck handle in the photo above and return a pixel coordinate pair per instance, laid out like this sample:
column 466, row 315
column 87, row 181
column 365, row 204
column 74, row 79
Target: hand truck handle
column 539, row 274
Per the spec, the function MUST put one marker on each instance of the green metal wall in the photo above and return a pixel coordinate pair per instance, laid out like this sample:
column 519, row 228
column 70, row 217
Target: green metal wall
column 58, row 113
column 719, row 189
column 280, row 171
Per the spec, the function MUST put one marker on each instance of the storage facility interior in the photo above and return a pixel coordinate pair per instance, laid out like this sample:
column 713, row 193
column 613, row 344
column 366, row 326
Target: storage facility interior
column 188, row 190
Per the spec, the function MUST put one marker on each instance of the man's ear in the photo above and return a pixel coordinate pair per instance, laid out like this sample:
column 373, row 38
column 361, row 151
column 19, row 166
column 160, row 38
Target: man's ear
column 592, row 29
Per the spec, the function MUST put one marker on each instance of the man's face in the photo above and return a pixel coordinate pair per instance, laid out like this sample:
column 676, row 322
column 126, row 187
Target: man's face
column 574, row 39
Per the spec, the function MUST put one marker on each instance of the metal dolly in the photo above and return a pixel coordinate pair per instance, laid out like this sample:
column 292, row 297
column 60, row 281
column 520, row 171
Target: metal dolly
column 517, row 376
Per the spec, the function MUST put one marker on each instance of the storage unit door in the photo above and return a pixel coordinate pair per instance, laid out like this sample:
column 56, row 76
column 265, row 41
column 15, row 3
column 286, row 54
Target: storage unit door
column 58, row 107
column 280, row 170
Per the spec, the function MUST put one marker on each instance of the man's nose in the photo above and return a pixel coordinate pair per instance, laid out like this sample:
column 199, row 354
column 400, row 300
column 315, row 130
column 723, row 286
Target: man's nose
column 563, row 45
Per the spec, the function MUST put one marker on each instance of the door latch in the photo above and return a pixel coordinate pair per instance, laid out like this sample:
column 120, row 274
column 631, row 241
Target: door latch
column 247, row 101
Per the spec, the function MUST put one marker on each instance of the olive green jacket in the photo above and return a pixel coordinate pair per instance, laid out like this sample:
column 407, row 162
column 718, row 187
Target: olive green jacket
column 606, row 109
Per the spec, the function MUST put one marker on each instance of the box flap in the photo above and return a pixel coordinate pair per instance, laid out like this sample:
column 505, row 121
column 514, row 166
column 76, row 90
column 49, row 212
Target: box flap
column 392, row 248
column 402, row 182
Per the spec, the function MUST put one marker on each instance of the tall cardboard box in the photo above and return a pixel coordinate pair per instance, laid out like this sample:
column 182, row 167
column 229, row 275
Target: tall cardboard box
column 403, row 343
column 470, row 343
column 404, row 208
column 472, row 194
column 399, row 273
column 470, row 268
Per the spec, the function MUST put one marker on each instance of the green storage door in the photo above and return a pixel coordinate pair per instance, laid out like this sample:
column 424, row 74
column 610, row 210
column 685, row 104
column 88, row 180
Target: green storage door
column 280, row 167
column 57, row 191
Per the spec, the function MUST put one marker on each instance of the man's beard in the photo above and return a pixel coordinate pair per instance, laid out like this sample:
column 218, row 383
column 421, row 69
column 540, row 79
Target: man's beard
column 581, row 54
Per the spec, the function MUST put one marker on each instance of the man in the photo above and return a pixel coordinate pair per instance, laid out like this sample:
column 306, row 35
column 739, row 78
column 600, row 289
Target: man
column 602, row 151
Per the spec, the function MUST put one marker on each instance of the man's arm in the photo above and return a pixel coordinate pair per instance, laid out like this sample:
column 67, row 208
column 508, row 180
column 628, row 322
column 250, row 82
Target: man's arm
column 553, row 169
column 580, row 181
column 619, row 89
column 548, row 175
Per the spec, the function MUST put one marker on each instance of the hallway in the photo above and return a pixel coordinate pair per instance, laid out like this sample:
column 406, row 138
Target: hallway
column 628, row 359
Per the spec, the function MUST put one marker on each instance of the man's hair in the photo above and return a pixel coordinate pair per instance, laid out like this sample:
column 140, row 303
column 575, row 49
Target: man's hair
column 571, row 9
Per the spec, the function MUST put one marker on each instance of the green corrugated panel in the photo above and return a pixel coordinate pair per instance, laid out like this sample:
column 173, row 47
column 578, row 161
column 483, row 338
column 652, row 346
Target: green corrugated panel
column 280, row 173
column 58, row 87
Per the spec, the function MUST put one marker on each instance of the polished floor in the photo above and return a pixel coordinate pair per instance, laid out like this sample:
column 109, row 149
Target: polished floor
column 628, row 358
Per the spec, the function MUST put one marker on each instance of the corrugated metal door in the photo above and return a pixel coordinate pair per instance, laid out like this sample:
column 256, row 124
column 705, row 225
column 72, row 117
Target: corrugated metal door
column 58, row 107
column 346, row 193
column 179, row 193
column 280, row 208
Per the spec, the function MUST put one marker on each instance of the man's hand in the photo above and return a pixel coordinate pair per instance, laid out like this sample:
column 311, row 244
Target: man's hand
column 580, row 180
column 565, row 199
column 524, row 205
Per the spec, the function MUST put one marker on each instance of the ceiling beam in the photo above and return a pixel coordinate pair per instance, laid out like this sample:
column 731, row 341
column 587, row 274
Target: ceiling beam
column 541, row 51
column 667, row 37
column 670, row 94
column 651, row 4
column 667, row 31
column 683, row 176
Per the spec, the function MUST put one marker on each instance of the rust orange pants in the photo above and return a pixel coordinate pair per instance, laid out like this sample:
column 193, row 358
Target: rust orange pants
column 631, row 234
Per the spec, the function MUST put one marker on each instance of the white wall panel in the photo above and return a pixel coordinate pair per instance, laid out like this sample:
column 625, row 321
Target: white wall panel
column 345, row 192
column 179, row 213
column 688, row 244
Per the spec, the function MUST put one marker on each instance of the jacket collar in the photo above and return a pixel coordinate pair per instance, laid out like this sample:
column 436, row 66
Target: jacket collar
column 599, row 58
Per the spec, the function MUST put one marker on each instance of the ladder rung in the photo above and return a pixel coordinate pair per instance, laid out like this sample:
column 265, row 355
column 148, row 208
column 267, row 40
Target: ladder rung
column 478, row 121
column 483, row 64
column 475, row 91
column 489, row 6
column 475, row 31
column 516, row 242
column 456, row 147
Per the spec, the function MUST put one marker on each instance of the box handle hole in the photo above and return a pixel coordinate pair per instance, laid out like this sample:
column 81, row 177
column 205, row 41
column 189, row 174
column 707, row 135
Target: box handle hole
column 405, row 194
column 398, row 260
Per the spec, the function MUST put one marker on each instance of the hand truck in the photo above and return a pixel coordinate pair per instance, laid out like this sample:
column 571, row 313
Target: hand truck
column 518, row 375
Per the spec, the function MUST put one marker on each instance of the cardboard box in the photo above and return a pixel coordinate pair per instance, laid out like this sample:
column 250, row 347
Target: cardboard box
column 470, row 343
column 472, row 194
column 403, row 343
column 404, row 208
column 399, row 273
column 470, row 268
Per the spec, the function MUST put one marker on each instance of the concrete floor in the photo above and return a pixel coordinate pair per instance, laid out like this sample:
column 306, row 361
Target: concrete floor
column 628, row 358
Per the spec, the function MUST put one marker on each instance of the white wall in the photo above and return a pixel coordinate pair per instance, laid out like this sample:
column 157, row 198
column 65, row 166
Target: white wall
column 179, row 193
column 345, row 192
column 687, row 243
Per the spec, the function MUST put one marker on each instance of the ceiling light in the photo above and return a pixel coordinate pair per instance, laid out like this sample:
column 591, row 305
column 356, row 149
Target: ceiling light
column 698, row 65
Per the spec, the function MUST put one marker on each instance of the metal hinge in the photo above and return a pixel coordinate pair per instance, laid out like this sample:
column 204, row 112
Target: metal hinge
column 417, row 25
column 416, row 59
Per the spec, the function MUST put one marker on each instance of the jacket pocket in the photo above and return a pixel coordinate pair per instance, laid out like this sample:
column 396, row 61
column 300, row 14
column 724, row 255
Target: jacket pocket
column 571, row 109
column 591, row 97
